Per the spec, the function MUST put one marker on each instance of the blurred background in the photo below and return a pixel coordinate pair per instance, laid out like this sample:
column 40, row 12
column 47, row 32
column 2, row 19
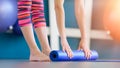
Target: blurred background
column 13, row 46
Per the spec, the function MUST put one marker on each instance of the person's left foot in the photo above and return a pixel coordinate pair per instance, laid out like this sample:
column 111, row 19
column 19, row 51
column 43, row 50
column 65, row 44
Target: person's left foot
column 46, row 52
column 39, row 57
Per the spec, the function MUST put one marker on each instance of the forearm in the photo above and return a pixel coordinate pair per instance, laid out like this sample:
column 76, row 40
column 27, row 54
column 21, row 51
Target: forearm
column 80, row 17
column 60, row 17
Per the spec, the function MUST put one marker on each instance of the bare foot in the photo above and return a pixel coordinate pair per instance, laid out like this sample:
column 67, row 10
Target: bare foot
column 39, row 57
column 46, row 52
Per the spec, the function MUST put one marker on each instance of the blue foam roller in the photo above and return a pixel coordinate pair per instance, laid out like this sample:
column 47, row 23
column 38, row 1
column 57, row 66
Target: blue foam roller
column 58, row 55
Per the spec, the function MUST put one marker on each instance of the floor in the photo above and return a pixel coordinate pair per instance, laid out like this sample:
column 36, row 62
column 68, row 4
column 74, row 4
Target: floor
column 81, row 64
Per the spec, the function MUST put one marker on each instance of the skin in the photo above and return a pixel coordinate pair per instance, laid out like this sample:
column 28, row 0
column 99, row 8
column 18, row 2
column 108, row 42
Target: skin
column 79, row 13
column 35, row 53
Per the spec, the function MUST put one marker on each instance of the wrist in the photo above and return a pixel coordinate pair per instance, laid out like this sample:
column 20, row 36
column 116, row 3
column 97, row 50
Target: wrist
column 83, row 37
column 63, row 37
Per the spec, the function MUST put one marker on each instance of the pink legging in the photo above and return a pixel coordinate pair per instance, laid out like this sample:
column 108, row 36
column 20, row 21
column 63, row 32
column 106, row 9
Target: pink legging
column 28, row 7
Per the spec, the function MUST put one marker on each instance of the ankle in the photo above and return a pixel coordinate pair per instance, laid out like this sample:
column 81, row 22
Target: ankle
column 46, row 49
column 46, row 52
column 35, row 52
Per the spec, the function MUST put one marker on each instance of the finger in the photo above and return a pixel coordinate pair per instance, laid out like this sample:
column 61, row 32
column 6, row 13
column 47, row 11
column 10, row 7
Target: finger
column 69, row 50
column 63, row 49
column 68, row 53
column 85, row 54
column 88, row 54
column 71, row 54
column 79, row 48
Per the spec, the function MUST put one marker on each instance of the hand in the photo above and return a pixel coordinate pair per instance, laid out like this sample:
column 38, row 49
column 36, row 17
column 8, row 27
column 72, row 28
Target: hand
column 83, row 46
column 66, row 48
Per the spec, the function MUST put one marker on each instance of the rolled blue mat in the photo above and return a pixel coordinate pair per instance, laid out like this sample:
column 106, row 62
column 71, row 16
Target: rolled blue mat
column 58, row 55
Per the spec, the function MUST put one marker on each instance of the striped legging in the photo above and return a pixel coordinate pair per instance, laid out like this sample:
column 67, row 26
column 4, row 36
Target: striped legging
column 28, row 8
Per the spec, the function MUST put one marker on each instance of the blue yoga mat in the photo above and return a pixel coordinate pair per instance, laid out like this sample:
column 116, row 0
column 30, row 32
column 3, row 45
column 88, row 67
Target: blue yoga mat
column 58, row 55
